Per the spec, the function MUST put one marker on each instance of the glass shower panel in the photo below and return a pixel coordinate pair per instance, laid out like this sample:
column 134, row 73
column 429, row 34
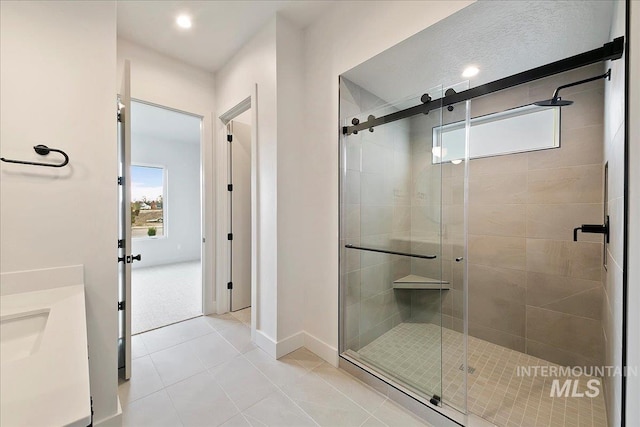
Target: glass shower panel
column 391, row 275
column 452, row 153
column 528, row 305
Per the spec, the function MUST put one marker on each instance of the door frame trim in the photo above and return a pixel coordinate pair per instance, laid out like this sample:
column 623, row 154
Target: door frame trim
column 206, row 289
column 222, row 208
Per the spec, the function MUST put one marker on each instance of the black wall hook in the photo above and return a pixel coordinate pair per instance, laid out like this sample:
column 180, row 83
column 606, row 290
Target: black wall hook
column 43, row 150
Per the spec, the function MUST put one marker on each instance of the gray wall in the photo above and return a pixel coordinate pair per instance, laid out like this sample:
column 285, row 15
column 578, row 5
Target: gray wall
column 182, row 240
column 531, row 288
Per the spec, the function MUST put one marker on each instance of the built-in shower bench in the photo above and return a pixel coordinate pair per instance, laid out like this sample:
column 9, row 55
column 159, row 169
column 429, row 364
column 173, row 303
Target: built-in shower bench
column 416, row 282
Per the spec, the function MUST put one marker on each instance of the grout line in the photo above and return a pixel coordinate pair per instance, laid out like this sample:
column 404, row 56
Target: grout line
column 280, row 388
column 229, row 398
column 347, row 397
column 168, row 324
column 181, row 342
column 249, row 417
column 377, row 419
column 164, row 386
column 172, row 404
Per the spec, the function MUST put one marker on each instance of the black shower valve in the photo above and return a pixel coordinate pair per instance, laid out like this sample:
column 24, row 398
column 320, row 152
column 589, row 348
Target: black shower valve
column 593, row 228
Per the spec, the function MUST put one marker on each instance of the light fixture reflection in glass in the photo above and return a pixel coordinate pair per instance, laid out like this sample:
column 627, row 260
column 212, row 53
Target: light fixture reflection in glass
column 456, row 161
column 439, row 152
column 183, row 21
column 470, row 71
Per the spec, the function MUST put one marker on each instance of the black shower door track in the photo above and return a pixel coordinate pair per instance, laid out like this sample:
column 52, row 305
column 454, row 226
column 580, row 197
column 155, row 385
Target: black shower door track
column 612, row 50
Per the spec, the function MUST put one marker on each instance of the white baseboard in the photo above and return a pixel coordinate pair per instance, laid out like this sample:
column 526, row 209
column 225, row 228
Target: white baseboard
column 114, row 420
column 321, row 349
column 266, row 343
column 294, row 342
column 290, row 344
column 280, row 348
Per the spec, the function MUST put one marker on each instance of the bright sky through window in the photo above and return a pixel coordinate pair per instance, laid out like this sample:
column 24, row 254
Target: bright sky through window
column 146, row 183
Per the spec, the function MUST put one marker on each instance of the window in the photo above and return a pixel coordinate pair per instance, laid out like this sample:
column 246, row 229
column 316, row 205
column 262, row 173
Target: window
column 518, row 130
column 147, row 201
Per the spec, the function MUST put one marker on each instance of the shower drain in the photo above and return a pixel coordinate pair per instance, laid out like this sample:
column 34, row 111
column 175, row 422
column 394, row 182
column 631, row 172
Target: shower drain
column 469, row 369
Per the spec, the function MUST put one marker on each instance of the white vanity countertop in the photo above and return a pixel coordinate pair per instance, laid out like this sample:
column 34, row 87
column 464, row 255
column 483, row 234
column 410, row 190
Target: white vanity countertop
column 49, row 386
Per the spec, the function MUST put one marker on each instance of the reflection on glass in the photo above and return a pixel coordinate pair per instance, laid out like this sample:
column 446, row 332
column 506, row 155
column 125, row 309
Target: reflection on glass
column 391, row 201
column 517, row 130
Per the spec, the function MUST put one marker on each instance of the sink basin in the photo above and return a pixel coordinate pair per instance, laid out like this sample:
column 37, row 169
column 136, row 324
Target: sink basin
column 44, row 360
column 21, row 333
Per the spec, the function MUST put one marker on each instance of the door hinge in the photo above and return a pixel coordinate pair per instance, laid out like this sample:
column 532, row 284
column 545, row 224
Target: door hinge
column 121, row 305
column 229, row 138
column 120, row 243
column 230, row 236
column 121, row 180
column 230, row 285
column 229, row 187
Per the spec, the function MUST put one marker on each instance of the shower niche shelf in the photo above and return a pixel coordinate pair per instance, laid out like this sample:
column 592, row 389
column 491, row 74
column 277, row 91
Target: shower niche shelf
column 416, row 282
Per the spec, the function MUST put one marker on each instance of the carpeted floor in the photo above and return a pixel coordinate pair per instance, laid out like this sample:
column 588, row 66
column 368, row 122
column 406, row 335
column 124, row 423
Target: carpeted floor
column 165, row 294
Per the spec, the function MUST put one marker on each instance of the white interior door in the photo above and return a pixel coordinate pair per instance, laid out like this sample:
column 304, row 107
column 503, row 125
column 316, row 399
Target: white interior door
column 124, row 237
column 240, row 173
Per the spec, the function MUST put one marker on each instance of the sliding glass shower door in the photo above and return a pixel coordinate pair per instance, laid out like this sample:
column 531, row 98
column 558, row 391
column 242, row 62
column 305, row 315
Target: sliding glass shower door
column 450, row 150
column 402, row 227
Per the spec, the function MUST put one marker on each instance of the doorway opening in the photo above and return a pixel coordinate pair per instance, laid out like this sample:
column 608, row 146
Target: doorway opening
column 166, row 216
column 240, row 176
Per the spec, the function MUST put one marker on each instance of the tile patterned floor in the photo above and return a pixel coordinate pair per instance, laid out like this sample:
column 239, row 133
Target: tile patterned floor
column 165, row 294
column 207, row 372
column 243, row 315
column 496, row 392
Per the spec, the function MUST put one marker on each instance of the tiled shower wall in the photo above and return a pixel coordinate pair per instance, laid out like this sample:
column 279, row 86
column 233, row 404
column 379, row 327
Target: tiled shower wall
column 612, row 305
column 375, row 213
column 433, row 202
column 531, row 288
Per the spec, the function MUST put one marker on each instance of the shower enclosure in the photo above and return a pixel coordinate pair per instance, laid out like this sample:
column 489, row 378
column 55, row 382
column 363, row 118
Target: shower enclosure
column 402, row 229
column 458, row 269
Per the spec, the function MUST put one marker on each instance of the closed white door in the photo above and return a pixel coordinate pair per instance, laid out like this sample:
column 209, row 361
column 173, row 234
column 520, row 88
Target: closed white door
column 240, row 194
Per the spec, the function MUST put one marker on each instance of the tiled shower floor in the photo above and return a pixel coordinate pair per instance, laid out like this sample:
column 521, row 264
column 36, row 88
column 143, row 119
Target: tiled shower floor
column 412, row 351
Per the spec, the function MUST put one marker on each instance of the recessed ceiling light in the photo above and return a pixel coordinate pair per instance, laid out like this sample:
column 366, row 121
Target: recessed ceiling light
column 183, row 21
column 470, row 71
column 456, row 161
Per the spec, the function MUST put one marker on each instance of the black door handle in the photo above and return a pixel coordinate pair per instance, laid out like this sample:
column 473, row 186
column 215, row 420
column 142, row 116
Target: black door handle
column 593, row 228
column 129, row 259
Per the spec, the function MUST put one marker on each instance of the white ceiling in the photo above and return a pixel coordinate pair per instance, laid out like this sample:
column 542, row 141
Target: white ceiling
column 157, row 123
column 220, row 28
column 501, row 38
